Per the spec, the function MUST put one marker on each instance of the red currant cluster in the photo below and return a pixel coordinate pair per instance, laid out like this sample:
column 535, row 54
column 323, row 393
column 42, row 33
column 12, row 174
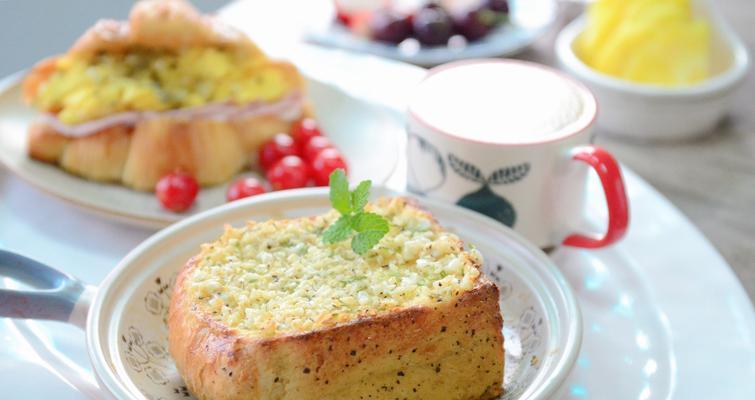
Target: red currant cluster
column 302, row 158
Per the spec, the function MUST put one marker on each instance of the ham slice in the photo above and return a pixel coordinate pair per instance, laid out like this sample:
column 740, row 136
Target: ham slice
column 288, row 108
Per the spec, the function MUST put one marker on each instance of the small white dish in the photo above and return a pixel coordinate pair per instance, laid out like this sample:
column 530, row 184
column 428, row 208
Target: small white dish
column 647, row 112
column 125, row 319
column 528, row 20
column 367, row 133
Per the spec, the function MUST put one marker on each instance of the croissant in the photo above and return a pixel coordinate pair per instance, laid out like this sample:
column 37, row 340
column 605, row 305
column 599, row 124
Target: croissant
column 169, row 89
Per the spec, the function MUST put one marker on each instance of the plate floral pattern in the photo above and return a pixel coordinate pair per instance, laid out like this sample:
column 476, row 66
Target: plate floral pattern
column 144, row 341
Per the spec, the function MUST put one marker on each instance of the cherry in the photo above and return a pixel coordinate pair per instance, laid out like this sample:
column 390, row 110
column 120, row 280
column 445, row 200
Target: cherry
column 326, row 162
column 476, row 24
column 390, row 26
column 501, row 6
column 177, row 191
column 432, row 26
column 277, row 147
column 289, row 172
column 244, row 187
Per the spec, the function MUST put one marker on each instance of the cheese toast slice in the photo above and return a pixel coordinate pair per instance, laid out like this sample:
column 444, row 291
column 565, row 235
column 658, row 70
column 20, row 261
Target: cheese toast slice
column 269, row 311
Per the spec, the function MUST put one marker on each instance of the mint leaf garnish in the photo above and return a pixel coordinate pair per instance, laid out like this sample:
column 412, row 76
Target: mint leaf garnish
column 340, row 198
column 338, row 231
column 367, row 221
column 369, row 227
column 360, row 195
column 364, row 241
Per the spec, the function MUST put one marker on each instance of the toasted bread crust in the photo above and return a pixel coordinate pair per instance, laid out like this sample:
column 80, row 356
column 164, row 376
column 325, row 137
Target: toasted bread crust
column 46, row 144
column 38, row 75
column 448, row 350
column 101, row 156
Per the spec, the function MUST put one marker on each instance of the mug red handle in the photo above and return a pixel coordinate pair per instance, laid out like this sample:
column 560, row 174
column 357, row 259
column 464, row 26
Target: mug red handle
column 609, row 172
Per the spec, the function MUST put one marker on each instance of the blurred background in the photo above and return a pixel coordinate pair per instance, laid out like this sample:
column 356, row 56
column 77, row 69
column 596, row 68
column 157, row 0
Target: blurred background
column 31, row 30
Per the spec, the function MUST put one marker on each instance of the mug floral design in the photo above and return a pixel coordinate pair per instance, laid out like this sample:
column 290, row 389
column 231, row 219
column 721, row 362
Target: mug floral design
column 426, row 152
column 484, row 200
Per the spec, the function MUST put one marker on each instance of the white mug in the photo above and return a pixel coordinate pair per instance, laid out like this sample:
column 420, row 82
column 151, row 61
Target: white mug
column 534, row 184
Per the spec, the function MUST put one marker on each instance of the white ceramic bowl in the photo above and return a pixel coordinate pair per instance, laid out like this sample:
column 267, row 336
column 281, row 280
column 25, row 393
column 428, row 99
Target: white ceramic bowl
column 648, row 112
column 127, row 333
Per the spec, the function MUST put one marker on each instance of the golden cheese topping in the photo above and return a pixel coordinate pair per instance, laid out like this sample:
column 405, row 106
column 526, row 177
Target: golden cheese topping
column 84, row 89
column 278, row 277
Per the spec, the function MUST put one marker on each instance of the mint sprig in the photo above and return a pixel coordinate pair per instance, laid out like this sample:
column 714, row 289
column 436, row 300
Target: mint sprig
column 369, row 227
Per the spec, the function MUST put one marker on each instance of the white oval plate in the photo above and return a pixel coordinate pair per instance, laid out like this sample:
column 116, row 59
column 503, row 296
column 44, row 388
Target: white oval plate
column 528, row 20
column 365, row 132
column 542, row 324
column 664, row 317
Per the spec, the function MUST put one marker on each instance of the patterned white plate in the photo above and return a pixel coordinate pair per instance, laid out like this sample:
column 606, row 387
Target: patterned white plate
column 127, row 331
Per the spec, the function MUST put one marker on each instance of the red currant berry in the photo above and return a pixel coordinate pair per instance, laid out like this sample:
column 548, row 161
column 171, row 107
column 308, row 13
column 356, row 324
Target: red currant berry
column 326, row 162
column 289, row 172
column 315, row 146
column 277, row 147
column 177, row 191
column 244, row 187
column 304, row 130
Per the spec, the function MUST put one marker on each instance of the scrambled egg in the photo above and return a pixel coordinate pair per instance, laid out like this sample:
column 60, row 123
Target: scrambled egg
column 658, row 42
column 143, row 80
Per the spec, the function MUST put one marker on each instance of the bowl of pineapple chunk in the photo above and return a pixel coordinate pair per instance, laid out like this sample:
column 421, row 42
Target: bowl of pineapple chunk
column 660, row 69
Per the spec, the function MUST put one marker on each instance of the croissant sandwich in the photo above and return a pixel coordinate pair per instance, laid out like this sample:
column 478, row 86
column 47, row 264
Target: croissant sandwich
column 169, row 89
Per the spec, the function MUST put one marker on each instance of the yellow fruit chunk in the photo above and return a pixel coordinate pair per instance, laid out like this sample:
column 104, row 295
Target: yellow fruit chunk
column 603, row 16
column 649, row 41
